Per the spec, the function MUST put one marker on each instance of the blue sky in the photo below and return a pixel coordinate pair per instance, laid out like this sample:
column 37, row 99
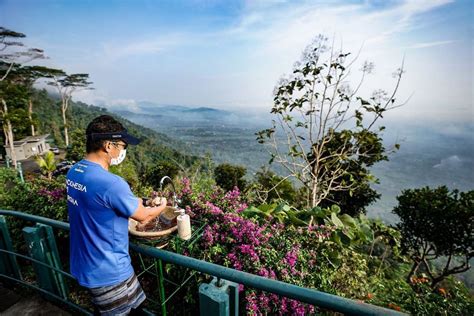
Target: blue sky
column 230, row 54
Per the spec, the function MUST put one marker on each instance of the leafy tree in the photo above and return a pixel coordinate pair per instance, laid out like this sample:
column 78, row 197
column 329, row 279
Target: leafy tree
column 163, row 168
column 228, row 176
column 47, row 164
column 77, row 150
column 322, row 126
column 16, row 98
column 13, row 115
column 355, row 201
column 437, row 223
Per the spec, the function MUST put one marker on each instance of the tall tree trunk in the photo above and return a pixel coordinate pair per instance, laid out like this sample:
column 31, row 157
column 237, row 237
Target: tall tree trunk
column 314, row 193
column 30, row 116
column 9, row 134
column 66, row 136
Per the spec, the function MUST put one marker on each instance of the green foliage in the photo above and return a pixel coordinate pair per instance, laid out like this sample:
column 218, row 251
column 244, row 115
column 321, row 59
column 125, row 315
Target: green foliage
column 435, row 223
column 37, row 196
column 77, row 147
column 201, row 175
column 40, row 197
column 47, row 164
column 228, row 176
column 161, row 169
column 274, row 188
column 16, row 98
column 349, row 231
column 450, row 299
column 8, row 180
column 127, row 171
column 356, row 175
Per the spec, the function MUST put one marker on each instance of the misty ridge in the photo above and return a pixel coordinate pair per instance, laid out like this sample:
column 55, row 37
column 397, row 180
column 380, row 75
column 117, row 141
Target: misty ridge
column 430, row 154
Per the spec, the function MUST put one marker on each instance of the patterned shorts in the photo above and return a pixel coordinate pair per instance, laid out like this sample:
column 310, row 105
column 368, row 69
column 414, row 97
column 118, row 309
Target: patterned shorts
column 118, row 299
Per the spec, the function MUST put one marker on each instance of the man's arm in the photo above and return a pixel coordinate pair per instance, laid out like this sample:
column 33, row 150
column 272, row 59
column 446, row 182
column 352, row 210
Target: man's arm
column 146, row 214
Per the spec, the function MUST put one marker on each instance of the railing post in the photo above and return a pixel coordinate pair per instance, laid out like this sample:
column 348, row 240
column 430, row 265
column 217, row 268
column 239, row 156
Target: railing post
column 219, row 297
column 20, row 171
column 53, row 258
column 232, row 289
column 8, row 264
column 212, row 301
column 42, row 247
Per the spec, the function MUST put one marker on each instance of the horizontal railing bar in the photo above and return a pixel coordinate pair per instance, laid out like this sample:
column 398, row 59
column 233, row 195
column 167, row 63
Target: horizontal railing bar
column 306, row 295
column 70, row 304
column 37, row 261
column 36, row 219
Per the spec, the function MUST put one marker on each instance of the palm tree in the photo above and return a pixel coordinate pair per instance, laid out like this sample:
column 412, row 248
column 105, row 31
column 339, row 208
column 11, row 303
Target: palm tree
column 47, row 164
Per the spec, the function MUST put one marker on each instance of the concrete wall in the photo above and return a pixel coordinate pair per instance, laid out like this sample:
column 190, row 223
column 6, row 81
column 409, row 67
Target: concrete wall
column 28, row 150
column 20, row 153
column 35, row 148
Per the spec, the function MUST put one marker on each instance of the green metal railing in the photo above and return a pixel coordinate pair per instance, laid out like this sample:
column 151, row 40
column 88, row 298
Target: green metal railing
column 306, row 295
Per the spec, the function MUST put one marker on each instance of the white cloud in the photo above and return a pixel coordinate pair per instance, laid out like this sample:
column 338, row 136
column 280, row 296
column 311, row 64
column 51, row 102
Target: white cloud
column 429, row 44
column 451, row 162
column 113, row 51
column 100, row 98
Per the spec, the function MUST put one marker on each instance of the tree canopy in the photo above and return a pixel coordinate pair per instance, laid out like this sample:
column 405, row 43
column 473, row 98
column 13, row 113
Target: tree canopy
column 435, row 223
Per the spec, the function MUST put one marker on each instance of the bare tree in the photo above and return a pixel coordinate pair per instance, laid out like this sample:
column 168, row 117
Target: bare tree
column 66, row 85
column 322, row 126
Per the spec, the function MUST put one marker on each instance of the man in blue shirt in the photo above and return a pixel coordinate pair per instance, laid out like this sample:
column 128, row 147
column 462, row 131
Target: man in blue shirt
column 99, row 205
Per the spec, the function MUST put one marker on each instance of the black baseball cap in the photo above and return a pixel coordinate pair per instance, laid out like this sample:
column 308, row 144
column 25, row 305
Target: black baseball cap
column 122, row 135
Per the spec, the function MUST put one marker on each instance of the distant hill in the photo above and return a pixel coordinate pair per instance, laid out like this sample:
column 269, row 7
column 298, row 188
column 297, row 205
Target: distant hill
column 166, row 116
column 208, row 110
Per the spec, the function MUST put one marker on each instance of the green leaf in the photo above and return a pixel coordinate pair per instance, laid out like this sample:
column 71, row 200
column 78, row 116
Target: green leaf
column 267, row 208
column 336, row 221
column 335, row 209
column 348, row 220
column 362, row 101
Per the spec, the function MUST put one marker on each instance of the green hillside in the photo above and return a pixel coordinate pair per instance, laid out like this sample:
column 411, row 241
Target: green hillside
column 154, row 147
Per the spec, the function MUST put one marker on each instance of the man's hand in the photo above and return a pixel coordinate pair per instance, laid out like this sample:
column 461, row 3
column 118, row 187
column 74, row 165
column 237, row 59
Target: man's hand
column 146, row 214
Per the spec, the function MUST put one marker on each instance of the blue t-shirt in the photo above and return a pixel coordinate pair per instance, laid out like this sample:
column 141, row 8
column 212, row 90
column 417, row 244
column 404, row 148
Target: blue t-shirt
column 99, row 205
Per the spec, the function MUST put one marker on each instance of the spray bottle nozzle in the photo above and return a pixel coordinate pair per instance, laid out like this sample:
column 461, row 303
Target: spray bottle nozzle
column 181, row 211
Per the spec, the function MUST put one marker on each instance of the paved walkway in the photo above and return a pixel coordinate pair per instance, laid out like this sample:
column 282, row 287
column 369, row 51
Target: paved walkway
column 13, row 304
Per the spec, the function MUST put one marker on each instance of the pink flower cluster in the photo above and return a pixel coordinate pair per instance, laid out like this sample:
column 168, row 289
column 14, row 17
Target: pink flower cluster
column 186, row 186
column 264, row 303
column 53, row 195
column 233, row 200
column 322, row 232
column 291, row 257
column 244, row 244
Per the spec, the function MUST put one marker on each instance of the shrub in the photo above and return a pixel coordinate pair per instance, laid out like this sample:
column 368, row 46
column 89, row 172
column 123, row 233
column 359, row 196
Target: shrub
column 228, row 176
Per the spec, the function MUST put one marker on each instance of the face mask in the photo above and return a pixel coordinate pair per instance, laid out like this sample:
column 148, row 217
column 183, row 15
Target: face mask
column 119, row 159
